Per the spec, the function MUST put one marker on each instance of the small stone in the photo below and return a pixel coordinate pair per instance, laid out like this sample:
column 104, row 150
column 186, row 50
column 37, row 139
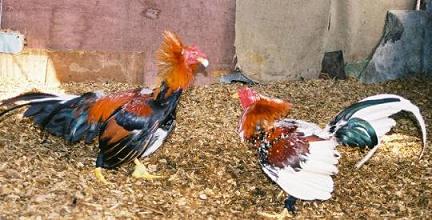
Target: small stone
column 203, row 196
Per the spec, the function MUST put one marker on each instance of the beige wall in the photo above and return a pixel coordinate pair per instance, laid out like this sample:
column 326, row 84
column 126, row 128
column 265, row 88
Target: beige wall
column 272, row 38
column 280, row 39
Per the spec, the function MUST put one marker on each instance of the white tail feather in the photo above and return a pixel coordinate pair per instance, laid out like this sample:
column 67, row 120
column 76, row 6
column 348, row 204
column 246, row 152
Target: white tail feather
column 61, row 98
column 382, row 126
column 320, row 167
column 305, row 185
column 313, row 180
column 367, row 157
column 384, row 111
column 323, row 151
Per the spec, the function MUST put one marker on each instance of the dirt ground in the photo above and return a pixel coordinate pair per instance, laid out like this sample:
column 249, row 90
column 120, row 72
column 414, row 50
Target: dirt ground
column 210, row 173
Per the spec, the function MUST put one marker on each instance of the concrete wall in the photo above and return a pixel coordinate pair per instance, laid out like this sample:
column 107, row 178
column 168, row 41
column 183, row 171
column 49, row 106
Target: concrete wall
column 45, row 66
column 123, row 26
column 287, row 39
column 356, row 26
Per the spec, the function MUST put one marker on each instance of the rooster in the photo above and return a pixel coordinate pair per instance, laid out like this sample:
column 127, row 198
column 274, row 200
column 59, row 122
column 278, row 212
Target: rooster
column 300, row 156
column 130, row 124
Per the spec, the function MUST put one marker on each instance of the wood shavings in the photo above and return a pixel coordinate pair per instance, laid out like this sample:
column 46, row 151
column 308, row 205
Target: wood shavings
column 211, row 173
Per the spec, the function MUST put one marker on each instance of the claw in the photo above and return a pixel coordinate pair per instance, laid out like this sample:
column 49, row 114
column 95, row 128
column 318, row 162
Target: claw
column 99, row 175
column 141, row 172
column 290, row 204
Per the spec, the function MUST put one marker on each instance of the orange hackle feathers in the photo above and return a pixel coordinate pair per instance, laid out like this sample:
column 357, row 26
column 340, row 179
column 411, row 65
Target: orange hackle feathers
column 171, row 63
column 263, row 112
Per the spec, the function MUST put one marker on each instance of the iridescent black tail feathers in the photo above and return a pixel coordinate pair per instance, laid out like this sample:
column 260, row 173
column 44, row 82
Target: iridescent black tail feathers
column 60, row 115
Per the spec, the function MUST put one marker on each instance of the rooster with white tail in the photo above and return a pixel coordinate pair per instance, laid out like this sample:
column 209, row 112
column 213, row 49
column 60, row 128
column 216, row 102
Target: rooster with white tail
column 300, row 156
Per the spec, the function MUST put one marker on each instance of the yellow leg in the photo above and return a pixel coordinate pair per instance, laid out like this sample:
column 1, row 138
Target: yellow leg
column 284, row 214
column 99, row 176
column 141, row 172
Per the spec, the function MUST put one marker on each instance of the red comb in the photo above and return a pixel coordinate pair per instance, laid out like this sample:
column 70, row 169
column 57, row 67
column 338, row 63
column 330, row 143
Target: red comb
column 247, row 97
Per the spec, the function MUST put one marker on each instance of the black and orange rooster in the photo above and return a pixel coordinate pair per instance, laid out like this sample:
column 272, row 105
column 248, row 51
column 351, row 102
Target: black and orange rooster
column 129, row 124
column 300, row 156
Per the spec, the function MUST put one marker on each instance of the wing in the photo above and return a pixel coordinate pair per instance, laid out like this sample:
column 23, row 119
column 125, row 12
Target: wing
column 99, row 111
column 81, row 118
column 137, row 129
column 300, row 165
column 105, row 106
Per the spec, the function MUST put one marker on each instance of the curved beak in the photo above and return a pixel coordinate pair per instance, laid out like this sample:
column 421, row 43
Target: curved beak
column 203, row 61
column 203, row 67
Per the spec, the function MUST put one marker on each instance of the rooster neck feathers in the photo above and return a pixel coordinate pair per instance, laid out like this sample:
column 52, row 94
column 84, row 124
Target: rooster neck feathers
column 172, row 64
column 262, row 114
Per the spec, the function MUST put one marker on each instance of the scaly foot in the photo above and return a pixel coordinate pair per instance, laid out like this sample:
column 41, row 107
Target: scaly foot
column 290, row 204
column 99, row 176
column 284, row 214
column 141, row 172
